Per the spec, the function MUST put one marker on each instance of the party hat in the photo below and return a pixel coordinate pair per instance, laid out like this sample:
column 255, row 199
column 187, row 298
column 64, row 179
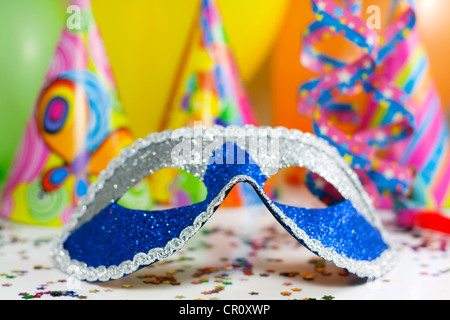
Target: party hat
column 208, row 89
column 76, row 128
column 427, row 150
column 399, row 144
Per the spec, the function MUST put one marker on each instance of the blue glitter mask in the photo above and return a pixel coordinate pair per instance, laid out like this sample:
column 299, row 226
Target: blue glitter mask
column 105, row 241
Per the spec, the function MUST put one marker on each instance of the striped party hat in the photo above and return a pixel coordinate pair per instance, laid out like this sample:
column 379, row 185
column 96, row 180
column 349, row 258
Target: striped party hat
column 398, row 142
column 208, row 90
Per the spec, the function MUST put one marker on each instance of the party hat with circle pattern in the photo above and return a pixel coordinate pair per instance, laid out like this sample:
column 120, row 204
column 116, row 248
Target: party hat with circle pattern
column 77, row 126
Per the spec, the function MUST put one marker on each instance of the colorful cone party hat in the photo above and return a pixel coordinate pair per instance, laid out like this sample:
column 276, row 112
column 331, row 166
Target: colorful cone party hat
column 208, row 89
column 76, row 128
column 398, row 142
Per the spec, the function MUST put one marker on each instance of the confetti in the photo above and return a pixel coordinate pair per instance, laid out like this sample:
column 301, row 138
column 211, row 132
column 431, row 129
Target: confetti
column 244, row 265
column 289, row 274
column 217, row 289
column 343, row 273
column 206, row 270
column 220, row 272
column 54, row 293
column 160, row 279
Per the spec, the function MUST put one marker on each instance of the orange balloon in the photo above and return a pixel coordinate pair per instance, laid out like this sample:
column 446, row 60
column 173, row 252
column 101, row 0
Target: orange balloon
column 434, row 26
column 287, row 72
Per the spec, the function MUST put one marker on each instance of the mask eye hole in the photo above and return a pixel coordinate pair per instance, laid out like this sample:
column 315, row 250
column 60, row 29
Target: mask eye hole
column 166, row 188
column 298, row 187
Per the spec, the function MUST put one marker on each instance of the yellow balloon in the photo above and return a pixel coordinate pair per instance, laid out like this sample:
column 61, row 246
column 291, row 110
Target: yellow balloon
column 145, row 41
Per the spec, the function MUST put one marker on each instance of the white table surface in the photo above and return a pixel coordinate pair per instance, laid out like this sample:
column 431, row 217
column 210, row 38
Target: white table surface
column 210, row 266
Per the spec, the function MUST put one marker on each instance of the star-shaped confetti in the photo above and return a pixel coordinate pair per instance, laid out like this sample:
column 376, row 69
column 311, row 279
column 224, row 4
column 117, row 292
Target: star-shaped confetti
column 309, row 276
column 344, row 77
column 343, row 273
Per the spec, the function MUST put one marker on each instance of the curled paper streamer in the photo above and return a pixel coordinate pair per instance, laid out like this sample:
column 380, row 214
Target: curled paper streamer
column 207, row 91
column 400, row 145
column 76, row 128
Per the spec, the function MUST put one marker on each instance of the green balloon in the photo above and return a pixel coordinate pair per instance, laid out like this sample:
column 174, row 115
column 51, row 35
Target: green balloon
column 29, row 34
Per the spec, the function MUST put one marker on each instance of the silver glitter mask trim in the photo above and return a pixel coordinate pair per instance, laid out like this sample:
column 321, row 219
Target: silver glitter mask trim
column 161, row 150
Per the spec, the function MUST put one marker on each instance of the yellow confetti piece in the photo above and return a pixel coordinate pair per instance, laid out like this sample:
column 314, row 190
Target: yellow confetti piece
column 348, row 158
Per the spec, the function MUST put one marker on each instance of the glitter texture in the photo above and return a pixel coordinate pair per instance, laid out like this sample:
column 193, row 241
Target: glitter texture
column 105, row 241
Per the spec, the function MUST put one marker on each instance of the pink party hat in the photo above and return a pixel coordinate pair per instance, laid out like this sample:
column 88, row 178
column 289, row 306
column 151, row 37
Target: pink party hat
column 77, row 126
